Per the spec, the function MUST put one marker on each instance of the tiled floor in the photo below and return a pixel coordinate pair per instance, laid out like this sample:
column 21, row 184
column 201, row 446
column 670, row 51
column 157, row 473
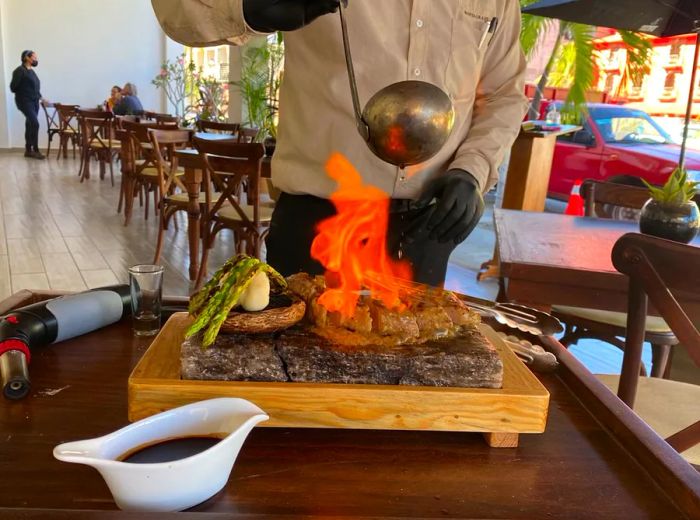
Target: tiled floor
column 56, row 233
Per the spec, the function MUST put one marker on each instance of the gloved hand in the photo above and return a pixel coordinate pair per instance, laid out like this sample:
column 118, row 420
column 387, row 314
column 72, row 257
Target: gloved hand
column 459, row 206
column 285, row 15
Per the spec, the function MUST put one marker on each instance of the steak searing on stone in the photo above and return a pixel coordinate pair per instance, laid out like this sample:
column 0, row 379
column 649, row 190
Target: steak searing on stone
column 431, row 314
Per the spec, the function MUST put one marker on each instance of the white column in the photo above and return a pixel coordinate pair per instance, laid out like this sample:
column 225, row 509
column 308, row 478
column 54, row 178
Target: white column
column 235, row 102
column 6, row 97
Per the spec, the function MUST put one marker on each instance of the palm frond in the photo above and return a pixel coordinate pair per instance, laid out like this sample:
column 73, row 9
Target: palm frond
column 639, row 55
column 532, row 31
column 583, row 76
column 562, row 71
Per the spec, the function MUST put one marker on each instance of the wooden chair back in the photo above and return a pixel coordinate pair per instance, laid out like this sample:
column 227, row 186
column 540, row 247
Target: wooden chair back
column 53, row 123
column 161, row 118
column 165, row 142
column 241, row 162
column 97, row 128
column 247, row 135
column 599, row 197
column 68, row 118
column 658, row 269
column 217, row 127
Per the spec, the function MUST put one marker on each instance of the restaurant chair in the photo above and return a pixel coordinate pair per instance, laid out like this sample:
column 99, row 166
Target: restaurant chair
column 68, row 129
column 161, row 118
column 127, row 169
column 217, row 127
column 53, row 125
column 99, row 141
column 145, row 168
column 659, row 274
column 605, row 200
column 164, row 144
column 236, row 164
column 247, row 135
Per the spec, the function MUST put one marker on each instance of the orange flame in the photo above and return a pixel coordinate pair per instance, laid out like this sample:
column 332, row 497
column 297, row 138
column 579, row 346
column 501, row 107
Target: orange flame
column 351, row 245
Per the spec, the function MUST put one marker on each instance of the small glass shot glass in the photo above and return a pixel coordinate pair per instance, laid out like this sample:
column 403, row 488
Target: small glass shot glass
column 146, row 282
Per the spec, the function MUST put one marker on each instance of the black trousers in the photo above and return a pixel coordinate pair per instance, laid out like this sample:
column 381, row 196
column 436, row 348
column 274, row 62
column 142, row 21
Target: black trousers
column 293, row 229
column 30, row 109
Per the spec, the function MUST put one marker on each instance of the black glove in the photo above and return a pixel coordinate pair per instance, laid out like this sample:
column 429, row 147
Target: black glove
column 285, row 15
column 459, row 206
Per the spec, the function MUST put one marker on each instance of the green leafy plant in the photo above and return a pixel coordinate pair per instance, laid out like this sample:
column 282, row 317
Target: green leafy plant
column 179, row 80
column 213, row 105
column 191, row 95
column 571, row 63
column 261, row 77
column 677, row 191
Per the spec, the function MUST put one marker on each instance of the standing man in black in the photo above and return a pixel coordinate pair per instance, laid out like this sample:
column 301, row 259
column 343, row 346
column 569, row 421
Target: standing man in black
column 27, row 89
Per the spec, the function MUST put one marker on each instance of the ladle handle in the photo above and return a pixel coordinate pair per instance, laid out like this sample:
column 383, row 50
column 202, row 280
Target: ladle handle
column 361, row 125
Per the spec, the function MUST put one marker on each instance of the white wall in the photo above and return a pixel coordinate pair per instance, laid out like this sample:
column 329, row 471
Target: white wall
column 84, row 47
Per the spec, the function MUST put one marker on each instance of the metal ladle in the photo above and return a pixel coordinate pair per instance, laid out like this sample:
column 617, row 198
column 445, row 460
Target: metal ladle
column 405, row 123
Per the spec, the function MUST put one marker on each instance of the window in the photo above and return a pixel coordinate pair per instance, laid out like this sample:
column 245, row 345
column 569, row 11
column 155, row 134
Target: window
column 211, row 58
column 675, row 52
column 670, row 84
column 628, row 127
column 610, row 83
column 581, row 137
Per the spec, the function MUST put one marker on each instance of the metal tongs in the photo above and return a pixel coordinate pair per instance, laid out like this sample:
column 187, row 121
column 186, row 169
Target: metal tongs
column 512, row 315
column 515, row 316
column 532, row 355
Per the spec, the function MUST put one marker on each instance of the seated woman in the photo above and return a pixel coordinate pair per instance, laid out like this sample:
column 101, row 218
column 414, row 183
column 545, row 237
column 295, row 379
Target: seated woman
column 114, row 97
column 129, row 104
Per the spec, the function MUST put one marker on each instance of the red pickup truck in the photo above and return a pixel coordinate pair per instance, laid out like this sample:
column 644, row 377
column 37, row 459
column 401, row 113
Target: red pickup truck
column 616, row 141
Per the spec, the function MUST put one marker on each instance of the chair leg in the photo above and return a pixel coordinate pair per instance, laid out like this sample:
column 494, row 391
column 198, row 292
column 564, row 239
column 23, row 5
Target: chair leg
column 148, row 198
column 162, row 228
column 669, row 364
column 111, row 172
column 103, row 167
column 121, row 196
column 206, row 245
column 571, row 337
column 659, row 359
column 48, row 148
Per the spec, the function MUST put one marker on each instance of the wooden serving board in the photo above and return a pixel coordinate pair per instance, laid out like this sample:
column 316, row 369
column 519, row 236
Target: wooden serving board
column 520, row 406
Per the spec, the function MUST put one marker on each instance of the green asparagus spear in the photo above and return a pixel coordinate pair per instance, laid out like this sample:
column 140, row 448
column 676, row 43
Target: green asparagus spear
column 274, row 276
column 219, row 297
column 229, row 302
column 198, row 300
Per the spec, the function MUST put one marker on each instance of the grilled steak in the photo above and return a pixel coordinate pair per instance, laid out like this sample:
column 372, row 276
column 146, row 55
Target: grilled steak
column 430, row 314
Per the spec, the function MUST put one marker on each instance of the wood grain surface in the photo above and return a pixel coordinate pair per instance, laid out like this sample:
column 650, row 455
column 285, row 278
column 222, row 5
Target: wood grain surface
column 580, row 468
column 554, row 259
column 519, row 407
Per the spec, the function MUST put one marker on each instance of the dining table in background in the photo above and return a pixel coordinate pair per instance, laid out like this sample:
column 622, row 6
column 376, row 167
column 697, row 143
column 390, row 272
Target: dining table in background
column 552, row 259
column 191, row 162
column 595, row 460
column 527, row 179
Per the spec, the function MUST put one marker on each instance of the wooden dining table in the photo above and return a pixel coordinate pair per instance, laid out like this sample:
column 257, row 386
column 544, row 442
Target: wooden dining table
column 596, row 459
column 552, row 259
column 189, row 160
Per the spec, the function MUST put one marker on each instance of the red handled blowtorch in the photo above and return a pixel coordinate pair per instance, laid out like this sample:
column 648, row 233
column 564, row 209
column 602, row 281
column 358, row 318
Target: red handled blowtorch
column 53, row 321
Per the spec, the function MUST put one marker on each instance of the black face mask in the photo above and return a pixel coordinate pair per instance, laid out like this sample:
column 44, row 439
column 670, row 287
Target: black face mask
column 35, row 63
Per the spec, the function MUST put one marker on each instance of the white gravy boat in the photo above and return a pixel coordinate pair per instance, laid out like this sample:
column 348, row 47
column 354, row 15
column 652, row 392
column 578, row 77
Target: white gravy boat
column 182, row 483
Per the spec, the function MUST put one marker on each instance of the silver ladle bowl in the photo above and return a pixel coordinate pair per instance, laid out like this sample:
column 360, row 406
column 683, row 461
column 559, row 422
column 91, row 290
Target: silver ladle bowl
column 405, row 123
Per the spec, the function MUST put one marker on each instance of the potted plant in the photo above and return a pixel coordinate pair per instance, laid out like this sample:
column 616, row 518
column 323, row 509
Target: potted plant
column 261, row 77
column 671, row 212
column 270, row 130
column 179, row 80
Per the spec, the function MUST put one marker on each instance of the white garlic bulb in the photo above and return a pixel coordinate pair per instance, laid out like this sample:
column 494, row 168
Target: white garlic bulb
column 257, row 295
